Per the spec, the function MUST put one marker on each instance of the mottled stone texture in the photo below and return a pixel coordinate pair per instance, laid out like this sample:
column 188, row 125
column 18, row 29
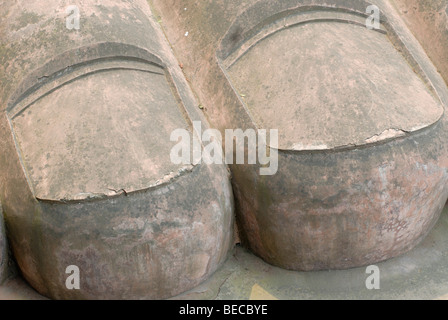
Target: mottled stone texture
column 3, row 249
column 362, row 178
column 85, row 173
column 428, row 21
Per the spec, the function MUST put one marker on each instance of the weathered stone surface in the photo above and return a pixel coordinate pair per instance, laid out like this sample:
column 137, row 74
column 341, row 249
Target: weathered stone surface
column 86, row 178
column 331, row 85
column 363, row 156
column 111, row 133
column 428, row 21
column 3, row 249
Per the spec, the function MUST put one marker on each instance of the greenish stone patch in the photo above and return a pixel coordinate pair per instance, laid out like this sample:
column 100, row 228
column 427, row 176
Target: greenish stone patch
column 25, row 19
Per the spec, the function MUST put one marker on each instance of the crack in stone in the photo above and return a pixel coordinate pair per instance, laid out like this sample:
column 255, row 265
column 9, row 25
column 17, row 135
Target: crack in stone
column 386, row 134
